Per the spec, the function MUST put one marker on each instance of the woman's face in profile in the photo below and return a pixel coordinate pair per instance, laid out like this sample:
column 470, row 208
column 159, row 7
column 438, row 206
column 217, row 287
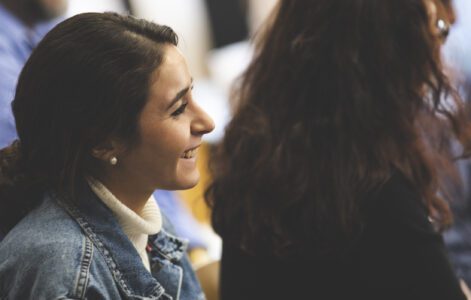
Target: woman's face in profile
column 171, row 125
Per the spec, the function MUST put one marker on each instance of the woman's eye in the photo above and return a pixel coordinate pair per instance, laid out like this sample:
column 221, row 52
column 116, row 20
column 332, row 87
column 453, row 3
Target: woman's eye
column 180, row 110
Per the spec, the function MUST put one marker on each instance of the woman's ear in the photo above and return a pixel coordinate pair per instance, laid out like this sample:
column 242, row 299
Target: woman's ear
column 107, row 150
column 446, row 11
column 441, row 16
column 432, row 13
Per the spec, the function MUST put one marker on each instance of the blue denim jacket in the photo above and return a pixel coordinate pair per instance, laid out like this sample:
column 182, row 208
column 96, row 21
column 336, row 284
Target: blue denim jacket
column 78, row 251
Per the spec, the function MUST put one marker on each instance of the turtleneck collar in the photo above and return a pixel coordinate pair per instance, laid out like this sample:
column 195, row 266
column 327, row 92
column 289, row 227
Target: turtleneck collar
column 137, row 226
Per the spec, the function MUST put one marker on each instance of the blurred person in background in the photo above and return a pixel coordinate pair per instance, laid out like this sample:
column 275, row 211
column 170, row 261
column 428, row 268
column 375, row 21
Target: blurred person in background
column 325, row 185
column 23, row 23
column 111, row 120
column 457, row 52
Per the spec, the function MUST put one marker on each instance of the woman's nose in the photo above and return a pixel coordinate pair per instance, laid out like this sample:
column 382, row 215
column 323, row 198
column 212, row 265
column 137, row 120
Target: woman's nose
column 202, row 123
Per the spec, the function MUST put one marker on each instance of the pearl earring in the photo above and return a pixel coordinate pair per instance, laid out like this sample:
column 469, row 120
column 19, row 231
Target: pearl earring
column 113, row 160
column 443, row 29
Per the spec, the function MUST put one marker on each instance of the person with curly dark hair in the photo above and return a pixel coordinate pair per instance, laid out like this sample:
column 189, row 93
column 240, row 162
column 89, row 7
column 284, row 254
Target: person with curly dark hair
column 325, row 185
column 105, row 115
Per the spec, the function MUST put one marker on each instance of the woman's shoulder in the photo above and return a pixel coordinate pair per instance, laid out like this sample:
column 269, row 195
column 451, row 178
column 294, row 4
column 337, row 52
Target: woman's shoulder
column 43, row 255
column 48, row 223
column 398, row 205
column 397, row 192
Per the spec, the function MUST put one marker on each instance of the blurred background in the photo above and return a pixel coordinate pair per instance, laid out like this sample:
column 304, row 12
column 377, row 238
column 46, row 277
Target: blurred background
column 215, row 36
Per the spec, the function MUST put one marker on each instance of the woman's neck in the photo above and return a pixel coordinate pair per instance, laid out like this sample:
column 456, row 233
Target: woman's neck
column 129, row 192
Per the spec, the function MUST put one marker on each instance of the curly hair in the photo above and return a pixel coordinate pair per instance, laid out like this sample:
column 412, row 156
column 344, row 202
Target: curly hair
column 339, row 95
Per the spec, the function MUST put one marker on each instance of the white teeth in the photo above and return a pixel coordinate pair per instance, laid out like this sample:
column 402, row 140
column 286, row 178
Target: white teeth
column 189, row 154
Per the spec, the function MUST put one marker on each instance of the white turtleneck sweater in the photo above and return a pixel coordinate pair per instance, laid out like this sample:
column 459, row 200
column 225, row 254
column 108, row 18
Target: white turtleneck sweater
column 137, row 227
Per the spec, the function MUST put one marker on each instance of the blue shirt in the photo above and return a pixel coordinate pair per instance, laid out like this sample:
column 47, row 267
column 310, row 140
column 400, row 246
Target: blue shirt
column 184, row 223
column 16, row 43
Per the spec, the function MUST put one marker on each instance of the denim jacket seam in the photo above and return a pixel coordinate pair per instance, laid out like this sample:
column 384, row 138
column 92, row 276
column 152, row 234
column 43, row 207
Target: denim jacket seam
column 84, row 271
column 180, row 281
column 92, row 236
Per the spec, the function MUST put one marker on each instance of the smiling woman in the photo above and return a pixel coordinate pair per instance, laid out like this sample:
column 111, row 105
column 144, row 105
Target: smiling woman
column 112, row 120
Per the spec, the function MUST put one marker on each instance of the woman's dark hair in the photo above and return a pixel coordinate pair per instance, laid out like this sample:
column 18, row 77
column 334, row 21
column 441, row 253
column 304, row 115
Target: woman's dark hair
column 86, row 81
column 340, row 95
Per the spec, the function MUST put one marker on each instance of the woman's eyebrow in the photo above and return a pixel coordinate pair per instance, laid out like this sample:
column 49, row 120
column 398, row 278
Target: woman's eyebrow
column 180, row 94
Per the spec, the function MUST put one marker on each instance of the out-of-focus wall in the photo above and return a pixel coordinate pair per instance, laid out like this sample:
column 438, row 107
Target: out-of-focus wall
column 80, row 6
column 259, row 10
column 189, row 19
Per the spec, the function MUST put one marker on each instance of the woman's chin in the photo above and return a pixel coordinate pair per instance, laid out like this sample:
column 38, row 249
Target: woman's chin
column 188, row 181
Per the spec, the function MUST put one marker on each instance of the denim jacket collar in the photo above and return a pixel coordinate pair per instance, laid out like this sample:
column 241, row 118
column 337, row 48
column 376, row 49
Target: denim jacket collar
column 100, row 225
column 169, row 246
